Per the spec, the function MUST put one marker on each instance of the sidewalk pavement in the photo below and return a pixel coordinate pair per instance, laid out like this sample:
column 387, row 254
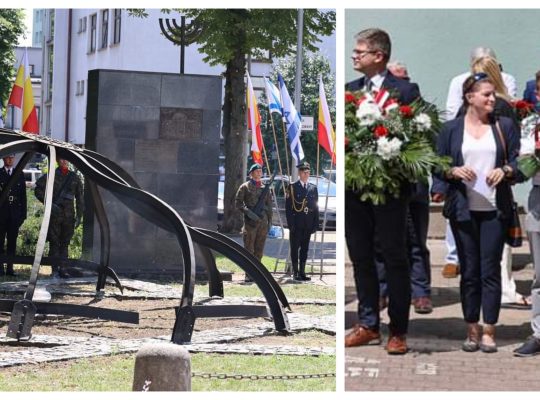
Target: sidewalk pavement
column 436, row 361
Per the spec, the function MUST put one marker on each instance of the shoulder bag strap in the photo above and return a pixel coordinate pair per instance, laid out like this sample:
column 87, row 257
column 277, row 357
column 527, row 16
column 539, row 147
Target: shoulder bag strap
column 503, row 143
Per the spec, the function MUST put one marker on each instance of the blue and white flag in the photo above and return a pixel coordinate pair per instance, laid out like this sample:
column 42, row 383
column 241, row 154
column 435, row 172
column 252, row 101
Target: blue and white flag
column 292, row 122
column 272, row 94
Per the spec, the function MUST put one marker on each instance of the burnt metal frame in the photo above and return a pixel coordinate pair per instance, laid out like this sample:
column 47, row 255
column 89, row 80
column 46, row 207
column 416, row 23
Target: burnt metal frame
column 102, row 172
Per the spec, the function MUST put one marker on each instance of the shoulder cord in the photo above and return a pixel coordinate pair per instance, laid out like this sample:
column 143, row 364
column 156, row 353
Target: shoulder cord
column 294, row 202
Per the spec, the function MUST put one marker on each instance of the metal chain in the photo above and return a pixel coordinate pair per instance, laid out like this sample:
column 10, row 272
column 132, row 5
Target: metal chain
column 261, row 377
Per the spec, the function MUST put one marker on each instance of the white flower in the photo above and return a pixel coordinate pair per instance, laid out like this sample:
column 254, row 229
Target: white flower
column 368, row 112
column 528, row 126
column 388, row 149
column 422, row 122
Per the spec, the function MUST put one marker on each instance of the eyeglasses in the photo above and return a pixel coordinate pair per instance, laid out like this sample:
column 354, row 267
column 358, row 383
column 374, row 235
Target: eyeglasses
column 361, row 53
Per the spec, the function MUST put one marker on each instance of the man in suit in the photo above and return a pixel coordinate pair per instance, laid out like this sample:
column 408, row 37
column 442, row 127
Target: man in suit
column 364, row 220
column 531, row 93
column 12, row 212
column 302, row 219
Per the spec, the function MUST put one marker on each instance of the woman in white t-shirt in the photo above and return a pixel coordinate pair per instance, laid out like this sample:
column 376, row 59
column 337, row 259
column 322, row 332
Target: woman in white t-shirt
column 478, row 203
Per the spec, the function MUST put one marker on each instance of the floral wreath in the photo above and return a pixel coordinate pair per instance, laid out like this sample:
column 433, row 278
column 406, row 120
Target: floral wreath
column 388, row 144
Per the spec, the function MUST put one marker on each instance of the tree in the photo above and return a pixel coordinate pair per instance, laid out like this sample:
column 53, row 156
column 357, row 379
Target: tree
column 11, row 28
column 228, row 37
column 313, row 66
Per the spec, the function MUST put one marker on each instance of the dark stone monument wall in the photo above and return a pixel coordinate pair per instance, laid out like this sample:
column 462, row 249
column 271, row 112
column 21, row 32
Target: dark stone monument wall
column 164, row 130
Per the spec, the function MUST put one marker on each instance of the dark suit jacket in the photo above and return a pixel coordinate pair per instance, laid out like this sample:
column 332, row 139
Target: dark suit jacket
column 407, row 91
column 14, row 211
column 529, row 94
column 449, row 143
column 301, row 219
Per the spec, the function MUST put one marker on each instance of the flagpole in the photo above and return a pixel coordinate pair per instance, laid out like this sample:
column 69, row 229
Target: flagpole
column 314, row 251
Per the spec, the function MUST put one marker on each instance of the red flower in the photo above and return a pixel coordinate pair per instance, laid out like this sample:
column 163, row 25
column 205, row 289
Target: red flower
column 406, row 111
column 349, row 97
column 380, row 131
column 523, row 105
column 346, row 142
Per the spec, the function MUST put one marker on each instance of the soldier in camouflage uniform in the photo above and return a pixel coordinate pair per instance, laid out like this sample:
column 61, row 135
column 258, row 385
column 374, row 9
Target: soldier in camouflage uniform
column 65, row 215
column 255, row 228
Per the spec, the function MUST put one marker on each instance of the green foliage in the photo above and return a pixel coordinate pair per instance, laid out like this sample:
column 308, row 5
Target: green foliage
column 371, row 167
column 224, row 31
column 29, row 231
column 11, row 28
column 313, row 66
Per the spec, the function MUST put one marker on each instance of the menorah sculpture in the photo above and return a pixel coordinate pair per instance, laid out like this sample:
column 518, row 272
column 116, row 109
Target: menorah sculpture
column 102, row 172
column 181, row 35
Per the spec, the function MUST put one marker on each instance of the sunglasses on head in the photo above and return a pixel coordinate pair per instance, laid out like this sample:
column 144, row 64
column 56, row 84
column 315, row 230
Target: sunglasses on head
column 476, row 77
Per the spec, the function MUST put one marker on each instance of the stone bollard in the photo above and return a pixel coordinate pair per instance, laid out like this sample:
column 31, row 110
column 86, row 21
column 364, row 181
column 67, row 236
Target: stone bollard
column 162, row 367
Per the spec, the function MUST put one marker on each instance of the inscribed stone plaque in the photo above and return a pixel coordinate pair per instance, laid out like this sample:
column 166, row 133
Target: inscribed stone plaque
column 181, row 123
column 156, row 156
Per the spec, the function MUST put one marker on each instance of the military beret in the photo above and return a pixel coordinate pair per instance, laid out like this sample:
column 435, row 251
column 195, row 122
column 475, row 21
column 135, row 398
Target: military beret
column 303, row 166
column 254, row 167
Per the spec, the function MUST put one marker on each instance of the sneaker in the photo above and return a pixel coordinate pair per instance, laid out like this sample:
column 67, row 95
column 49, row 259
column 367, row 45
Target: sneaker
column 528, row 349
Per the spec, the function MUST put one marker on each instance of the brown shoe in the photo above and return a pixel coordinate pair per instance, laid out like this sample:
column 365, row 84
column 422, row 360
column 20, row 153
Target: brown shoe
column 450, row 271
column 362, row 336
column 397, row 344
column 422, row 305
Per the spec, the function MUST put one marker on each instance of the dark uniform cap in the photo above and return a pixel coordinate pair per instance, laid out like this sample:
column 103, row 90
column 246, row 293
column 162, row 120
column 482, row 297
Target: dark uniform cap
column 303, row 166
column 254, row 167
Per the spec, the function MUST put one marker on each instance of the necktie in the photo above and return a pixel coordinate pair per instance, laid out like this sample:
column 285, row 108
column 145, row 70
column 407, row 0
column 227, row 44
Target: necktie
column 369, row 85
column 9, row 172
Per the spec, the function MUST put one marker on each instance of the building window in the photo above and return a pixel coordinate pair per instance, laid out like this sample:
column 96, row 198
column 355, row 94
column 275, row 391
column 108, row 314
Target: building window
column 51, row 25
column 82, row 25
column 104, row 28
column 50, row 62
column 31, row 67
column 93, row 33
column 117, row 25
column 80, row 88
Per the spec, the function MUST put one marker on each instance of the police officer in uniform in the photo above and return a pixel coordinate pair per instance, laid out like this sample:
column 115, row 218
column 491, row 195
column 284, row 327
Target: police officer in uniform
column 65, row 215
column 12, row 212
column 255, row 226
column 302, row 219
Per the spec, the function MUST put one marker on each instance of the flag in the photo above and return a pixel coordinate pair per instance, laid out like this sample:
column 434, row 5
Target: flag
column 272, row 94
column 292, row 122
column 327, row 136
column 254, row 123
column 22, row 97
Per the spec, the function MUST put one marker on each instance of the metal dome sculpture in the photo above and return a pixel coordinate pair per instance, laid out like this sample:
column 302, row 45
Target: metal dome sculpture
column 102, row 172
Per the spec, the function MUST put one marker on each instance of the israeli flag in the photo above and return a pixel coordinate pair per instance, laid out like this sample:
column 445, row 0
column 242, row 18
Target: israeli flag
column 292, row 122
column 272, row 94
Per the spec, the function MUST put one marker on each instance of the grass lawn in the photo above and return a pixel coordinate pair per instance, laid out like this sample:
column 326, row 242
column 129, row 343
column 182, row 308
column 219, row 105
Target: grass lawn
column 115, row 373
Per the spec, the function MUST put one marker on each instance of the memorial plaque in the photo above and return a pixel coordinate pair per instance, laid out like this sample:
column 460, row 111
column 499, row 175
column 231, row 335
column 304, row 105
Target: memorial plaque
column 160, row 156
column 181, row 123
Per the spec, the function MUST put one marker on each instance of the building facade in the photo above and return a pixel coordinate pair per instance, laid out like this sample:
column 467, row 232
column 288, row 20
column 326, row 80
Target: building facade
column 80, row 40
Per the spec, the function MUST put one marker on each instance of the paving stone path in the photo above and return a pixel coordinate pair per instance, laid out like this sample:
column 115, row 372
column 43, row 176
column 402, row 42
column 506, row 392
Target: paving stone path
column 46, row 348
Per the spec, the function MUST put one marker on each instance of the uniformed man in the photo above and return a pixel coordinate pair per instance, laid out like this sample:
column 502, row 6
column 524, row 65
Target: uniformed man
column 12, row 212
column 65, row 215
column 257, row 212
column 302, row 211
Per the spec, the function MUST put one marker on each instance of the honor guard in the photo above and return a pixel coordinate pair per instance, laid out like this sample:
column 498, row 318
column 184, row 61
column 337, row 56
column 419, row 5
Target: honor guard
column 254, row 199
column 12, row 211
column 65, row 215
column 302, row 219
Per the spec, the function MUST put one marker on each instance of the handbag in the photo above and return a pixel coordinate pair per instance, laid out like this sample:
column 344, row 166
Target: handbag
column 514, row 233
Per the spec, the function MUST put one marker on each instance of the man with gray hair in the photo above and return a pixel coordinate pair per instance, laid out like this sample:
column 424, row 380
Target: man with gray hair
column 455, row 91
column 398, row 69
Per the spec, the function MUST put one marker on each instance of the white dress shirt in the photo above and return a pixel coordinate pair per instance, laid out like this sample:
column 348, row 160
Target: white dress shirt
column 455, row 92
